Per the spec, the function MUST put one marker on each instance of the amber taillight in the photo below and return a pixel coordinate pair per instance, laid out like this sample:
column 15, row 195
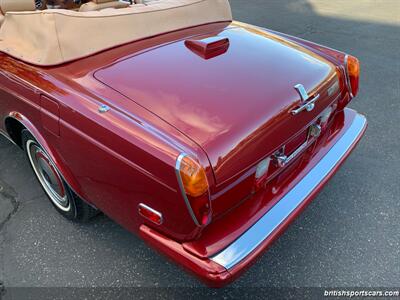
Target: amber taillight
column 193, row 183
column 353, row 74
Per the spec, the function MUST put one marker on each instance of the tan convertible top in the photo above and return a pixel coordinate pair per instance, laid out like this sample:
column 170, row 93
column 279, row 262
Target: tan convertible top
column 56, row 36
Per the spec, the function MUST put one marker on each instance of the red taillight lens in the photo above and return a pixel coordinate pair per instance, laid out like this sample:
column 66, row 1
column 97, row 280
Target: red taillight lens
column 150, row 214
column 201, row 208
column 353, row 74
column 195, row 190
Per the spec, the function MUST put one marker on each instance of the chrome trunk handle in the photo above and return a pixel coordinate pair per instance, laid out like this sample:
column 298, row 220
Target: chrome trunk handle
column 309, row 105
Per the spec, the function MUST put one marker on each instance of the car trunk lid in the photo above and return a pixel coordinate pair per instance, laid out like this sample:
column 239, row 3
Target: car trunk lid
column 235, row 104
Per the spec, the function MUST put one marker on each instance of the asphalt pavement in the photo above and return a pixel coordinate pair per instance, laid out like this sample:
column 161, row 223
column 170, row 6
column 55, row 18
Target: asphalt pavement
column 348, row 237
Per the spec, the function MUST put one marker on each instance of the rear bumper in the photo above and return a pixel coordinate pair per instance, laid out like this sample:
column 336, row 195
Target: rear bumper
column 229, row 263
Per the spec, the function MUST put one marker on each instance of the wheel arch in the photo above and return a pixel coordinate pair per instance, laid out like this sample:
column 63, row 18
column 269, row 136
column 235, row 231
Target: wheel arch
column 16, row 122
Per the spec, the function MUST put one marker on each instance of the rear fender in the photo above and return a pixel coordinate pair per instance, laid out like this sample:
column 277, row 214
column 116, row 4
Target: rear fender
column 51, row 152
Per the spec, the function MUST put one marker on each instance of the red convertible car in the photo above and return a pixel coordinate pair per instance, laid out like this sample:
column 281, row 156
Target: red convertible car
column 205, row 136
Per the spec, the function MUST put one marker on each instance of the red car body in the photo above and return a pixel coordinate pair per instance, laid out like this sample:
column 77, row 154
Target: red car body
column 229, row 105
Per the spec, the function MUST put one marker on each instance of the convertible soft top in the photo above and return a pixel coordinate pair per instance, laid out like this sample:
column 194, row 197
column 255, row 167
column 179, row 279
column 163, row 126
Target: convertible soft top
column 55, row 36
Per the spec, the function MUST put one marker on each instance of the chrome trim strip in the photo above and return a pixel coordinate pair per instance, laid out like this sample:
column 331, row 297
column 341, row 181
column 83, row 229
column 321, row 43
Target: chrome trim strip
column 346, row 68
column 261, row 230
column 182, row 188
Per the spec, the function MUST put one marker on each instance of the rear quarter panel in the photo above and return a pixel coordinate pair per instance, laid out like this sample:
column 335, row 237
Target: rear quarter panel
column 114, row 161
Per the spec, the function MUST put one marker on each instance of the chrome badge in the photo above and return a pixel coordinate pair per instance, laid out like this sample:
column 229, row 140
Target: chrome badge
column 307, row 102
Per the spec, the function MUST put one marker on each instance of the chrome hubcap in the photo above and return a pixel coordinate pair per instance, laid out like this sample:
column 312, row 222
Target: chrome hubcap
column 48, row 176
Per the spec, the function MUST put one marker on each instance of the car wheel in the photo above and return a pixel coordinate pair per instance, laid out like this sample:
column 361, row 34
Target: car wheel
column 60, row 194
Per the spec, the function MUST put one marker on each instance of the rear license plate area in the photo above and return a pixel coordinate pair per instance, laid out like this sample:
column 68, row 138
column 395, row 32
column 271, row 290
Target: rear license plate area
column 291, row 150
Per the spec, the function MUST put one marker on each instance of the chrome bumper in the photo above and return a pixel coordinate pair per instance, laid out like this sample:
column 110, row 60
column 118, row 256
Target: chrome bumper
column 252, row 238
